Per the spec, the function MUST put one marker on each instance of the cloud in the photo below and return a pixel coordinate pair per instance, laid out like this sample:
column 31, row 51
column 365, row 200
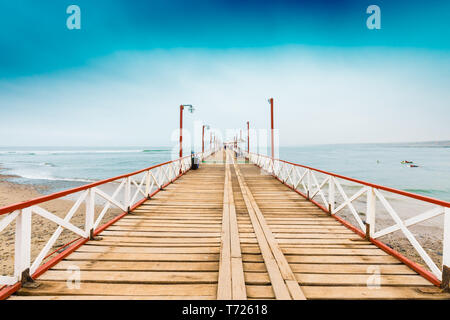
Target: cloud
column 322, row 95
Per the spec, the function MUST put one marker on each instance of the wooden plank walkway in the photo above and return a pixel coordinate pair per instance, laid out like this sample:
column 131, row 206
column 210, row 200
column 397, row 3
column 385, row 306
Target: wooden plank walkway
column 226, row 231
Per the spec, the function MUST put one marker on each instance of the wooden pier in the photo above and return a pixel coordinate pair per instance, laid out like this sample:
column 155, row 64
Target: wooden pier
column 229, row 231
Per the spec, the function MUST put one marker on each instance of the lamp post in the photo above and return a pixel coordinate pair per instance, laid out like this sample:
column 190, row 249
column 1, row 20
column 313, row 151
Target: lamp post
column 271, row 123
column 248, row 136
column 191, row 110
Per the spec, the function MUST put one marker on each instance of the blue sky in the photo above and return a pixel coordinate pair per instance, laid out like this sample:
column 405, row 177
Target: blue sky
column 119, row 80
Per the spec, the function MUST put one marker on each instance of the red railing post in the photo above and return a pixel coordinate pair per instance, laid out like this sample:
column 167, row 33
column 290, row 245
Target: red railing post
column 271, row 125
column 248, row 137
column 181, row 131
column 203, row 139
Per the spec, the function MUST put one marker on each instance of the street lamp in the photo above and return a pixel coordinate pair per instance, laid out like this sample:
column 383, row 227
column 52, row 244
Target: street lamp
column 191, row 110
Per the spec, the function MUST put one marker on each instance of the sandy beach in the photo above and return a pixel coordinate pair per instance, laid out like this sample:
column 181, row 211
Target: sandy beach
column 42, row 229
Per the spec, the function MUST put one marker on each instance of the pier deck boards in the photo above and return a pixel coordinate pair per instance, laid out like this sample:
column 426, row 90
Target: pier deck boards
column 226, row 231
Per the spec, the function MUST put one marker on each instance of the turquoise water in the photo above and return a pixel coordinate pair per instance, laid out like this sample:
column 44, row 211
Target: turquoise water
column 61, row 168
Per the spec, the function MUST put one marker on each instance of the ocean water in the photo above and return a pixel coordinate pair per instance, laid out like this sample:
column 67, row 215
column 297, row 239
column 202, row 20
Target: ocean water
column 62, row 168
column 381, row 164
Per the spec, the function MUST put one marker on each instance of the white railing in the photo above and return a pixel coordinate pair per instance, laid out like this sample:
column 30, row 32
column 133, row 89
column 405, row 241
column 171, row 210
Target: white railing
column 327, row 190
column 124, row 192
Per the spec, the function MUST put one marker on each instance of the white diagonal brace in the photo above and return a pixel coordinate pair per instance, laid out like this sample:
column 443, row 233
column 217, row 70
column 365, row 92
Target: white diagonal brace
column 430, row 263
column 138, row 189
column 348, row 202
column 110, row 199
column 8, row 219
column 411, row 221
column 57, row 233
column 319, row 189
column 107, row 206
column 154, row 179
column 300, row 179
column 65, row 224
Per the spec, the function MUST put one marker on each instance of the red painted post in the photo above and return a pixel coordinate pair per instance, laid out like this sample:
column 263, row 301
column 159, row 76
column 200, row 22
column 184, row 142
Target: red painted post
column 271, row 124
column 248, row 136
column 181, row 131
column 203, row 140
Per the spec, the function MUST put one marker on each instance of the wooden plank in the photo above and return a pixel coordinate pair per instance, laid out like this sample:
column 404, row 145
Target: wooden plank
column 165, row 229
column 349, row 292
column 148, row 240
column 113, row 289
column 260, row 292
column 342, row 259
column 329, row 246
column 166, row 218
column 231, row 273
column 173, row 225
column 238, row 280
column 224, row 286
column 361, row 280
column 139, row 265
column 254, row 267
column 292, row 238
column 142, row 256
column 237, row 269
column 107, row 242
column 151, row 234
column 350, row 268
column 116, row 249
column 134, row 277
column 335, row 251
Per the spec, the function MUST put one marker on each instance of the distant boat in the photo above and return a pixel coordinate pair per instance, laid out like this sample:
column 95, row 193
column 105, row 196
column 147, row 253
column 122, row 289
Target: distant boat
column 413, row 166
column 406, row 161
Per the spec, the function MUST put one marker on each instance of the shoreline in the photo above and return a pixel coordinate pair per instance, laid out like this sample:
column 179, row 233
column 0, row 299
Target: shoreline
column 42, row 229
